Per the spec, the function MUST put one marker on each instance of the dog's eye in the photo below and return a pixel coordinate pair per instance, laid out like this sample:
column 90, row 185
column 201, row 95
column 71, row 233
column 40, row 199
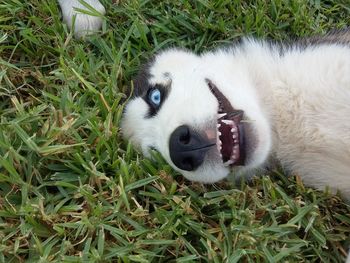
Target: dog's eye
column 155, row 97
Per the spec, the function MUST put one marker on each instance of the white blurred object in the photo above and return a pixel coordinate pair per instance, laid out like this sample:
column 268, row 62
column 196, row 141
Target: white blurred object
column 84, row 23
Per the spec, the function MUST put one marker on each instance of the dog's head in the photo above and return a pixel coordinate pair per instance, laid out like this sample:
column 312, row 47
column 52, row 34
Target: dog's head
column 200, row 112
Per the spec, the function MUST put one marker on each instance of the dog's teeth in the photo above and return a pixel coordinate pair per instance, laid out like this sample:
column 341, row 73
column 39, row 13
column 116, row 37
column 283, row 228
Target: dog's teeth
column 234, row 136
column 218, row 125
column 228, row 122
column 219, row 133
column 233, row 130
column 229, row 162
column 221, row 115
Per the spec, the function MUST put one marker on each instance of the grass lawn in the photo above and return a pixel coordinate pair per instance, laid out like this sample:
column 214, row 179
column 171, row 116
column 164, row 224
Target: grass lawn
column 71, row 190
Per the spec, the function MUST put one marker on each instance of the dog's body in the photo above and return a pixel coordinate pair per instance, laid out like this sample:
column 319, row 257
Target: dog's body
column 295, row 99
column 84, row 23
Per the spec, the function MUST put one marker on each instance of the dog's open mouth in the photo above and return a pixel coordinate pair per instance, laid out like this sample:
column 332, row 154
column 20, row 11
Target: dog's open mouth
column 230, row 130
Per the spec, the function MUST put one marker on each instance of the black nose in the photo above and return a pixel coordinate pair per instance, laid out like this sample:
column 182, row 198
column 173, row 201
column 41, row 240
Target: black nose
column 188, row 148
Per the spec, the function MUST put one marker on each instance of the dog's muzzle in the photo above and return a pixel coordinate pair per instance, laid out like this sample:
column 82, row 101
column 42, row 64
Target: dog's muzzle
column 188, row 148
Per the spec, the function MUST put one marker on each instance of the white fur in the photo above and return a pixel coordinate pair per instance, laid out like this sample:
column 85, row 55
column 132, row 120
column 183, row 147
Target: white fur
column 298, row 103
column 84, row 24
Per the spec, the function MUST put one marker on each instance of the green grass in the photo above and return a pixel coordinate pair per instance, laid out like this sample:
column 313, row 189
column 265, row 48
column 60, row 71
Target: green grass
column 71, row 190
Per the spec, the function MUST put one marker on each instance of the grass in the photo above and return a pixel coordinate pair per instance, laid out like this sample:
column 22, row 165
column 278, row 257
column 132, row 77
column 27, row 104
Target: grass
column 71, row 190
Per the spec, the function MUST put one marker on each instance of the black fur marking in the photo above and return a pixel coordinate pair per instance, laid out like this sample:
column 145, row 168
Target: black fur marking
column 339, row 37
column 142, row 88
column 334, row 37
column 141, row 84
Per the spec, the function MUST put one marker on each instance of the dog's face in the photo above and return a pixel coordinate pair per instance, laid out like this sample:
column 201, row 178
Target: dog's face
column 200, row 112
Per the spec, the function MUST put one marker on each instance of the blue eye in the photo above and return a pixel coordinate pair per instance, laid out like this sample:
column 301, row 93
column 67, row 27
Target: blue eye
column 155, row 97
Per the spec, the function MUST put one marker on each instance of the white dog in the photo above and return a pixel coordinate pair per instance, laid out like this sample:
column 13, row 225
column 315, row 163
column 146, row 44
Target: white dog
column 84, row 24
column 238, row 108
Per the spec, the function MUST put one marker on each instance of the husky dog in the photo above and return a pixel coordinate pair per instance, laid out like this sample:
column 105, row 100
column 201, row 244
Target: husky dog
column 235, row 109
column 84, row 24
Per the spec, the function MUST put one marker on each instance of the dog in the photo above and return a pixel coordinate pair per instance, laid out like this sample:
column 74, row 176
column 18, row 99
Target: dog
column 237, row 109
column 82, row 24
